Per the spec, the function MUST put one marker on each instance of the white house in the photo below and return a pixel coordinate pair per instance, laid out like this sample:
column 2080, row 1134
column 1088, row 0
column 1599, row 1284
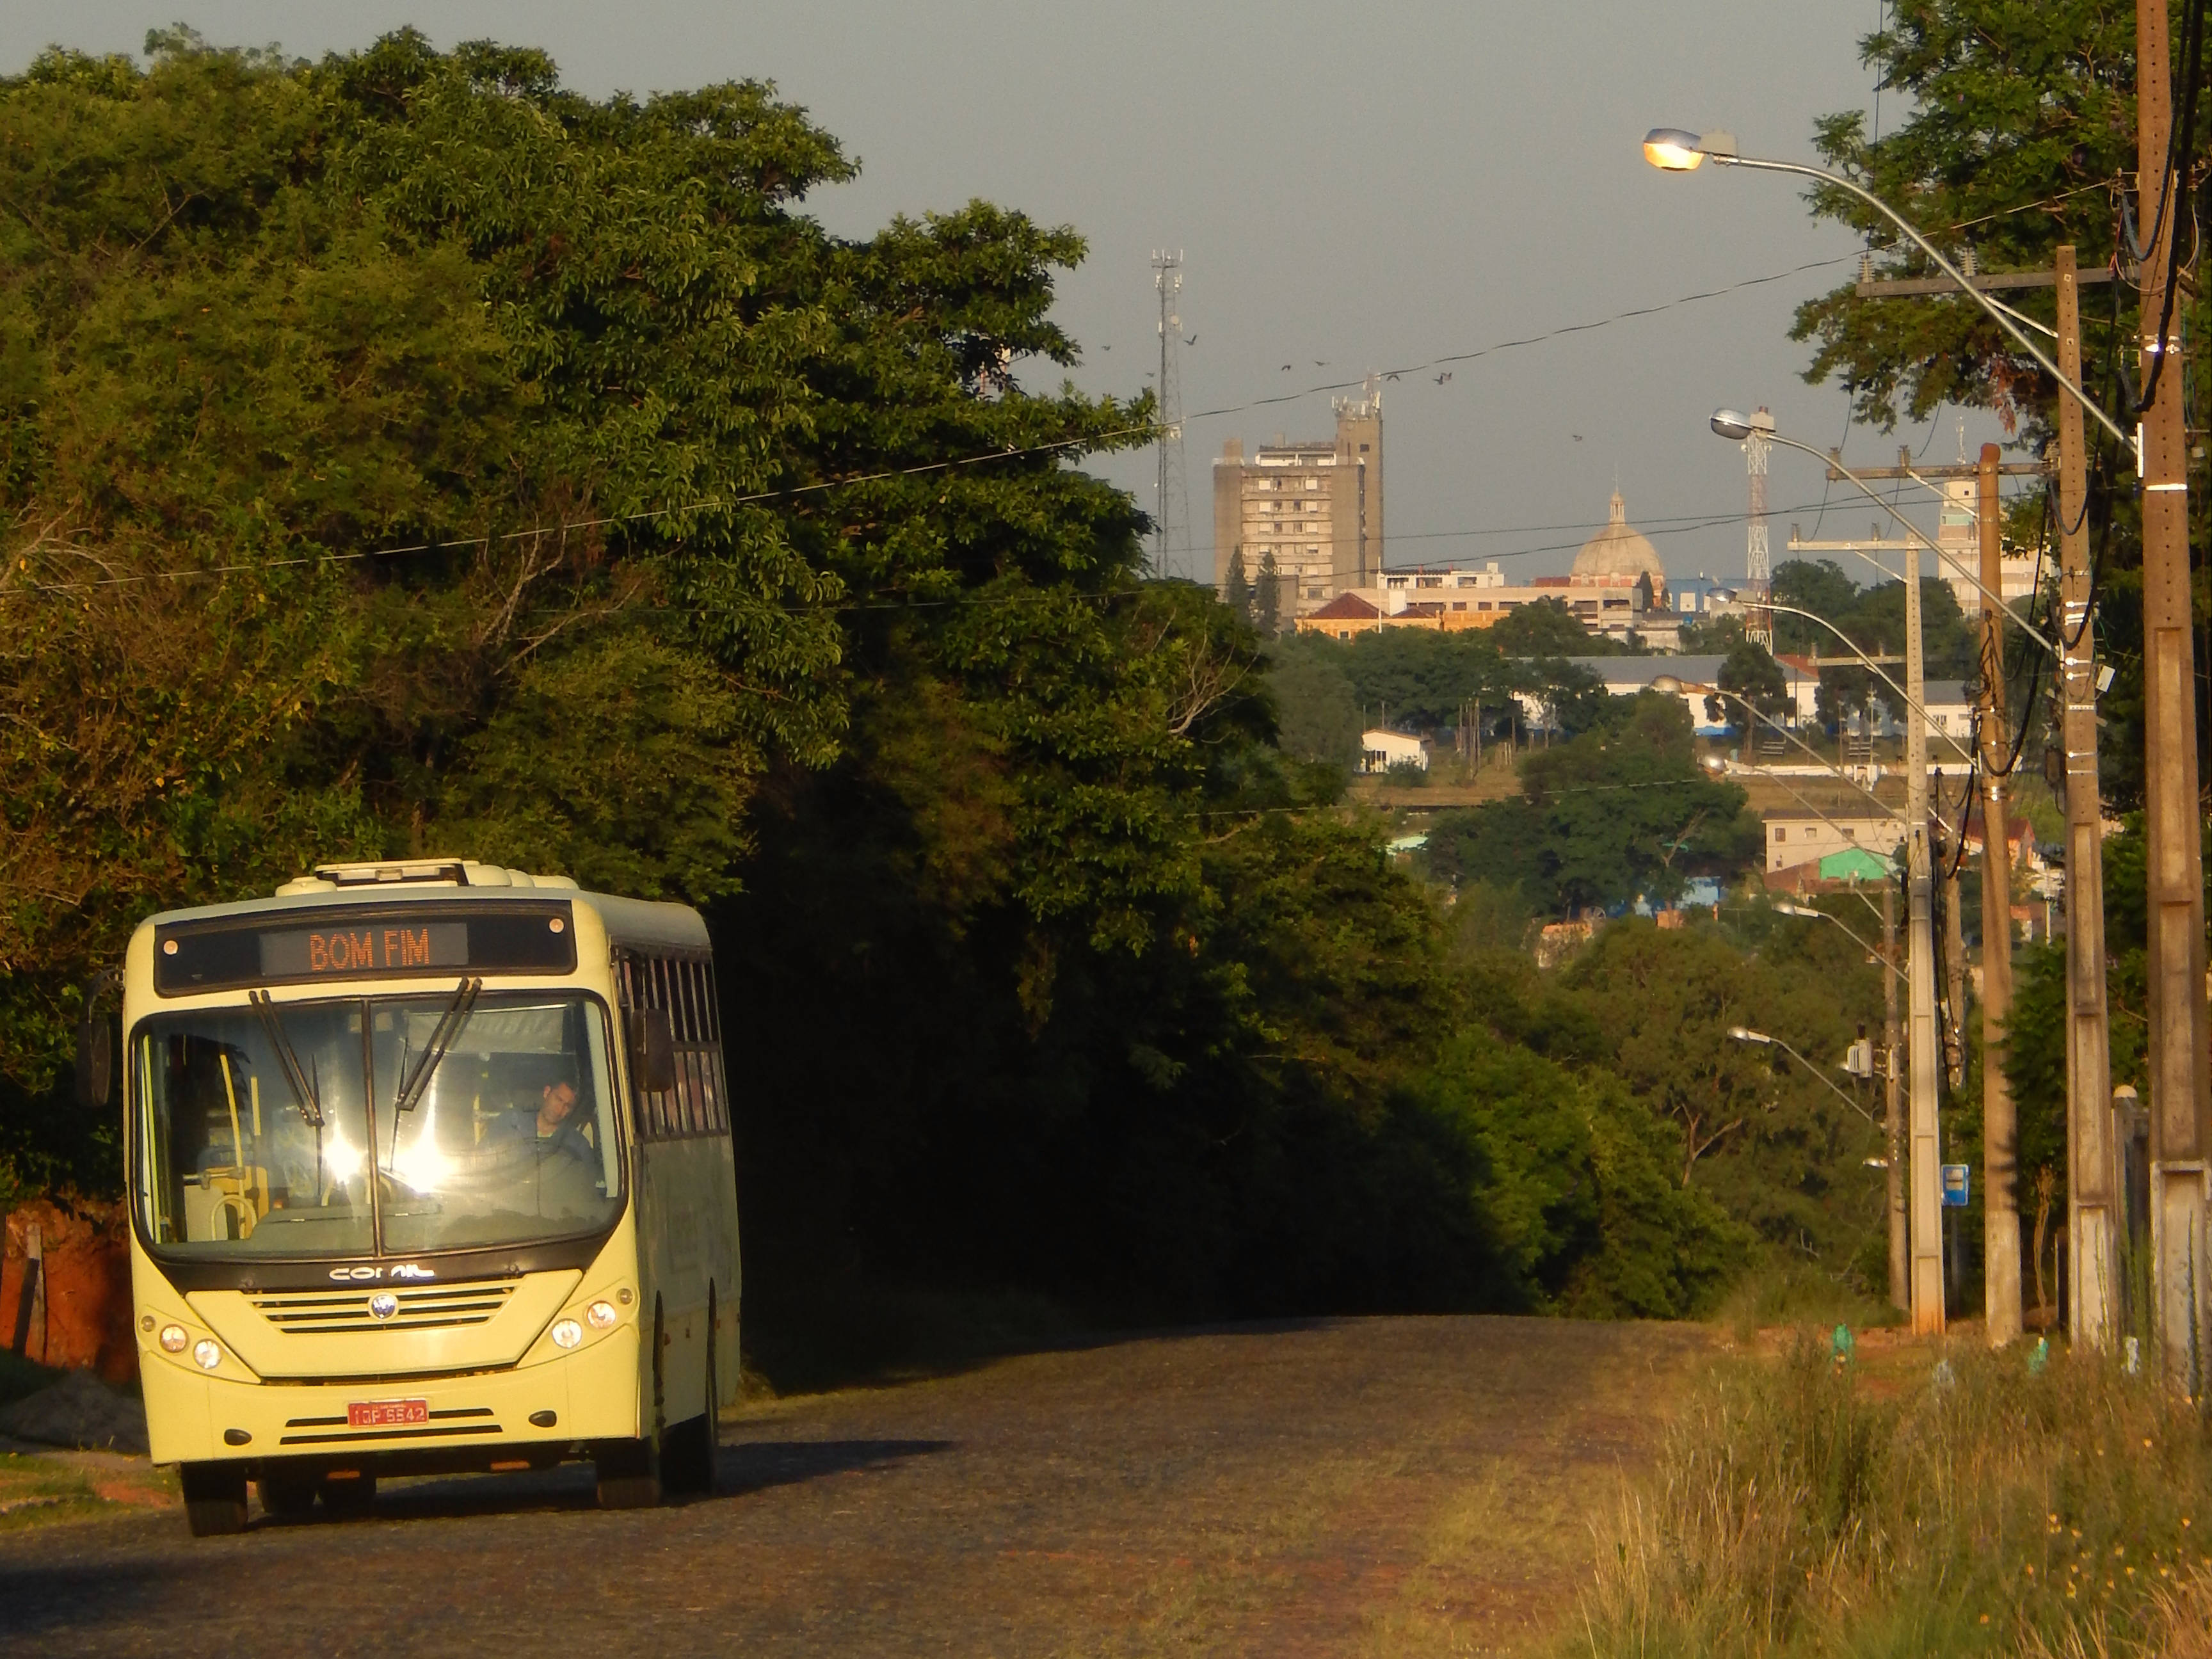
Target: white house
column 1623, row 676
column 1380, row 750
column 1794, row 839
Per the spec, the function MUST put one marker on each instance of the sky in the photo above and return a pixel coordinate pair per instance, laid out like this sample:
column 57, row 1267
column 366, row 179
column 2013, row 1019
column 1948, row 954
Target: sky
column 1351, row 190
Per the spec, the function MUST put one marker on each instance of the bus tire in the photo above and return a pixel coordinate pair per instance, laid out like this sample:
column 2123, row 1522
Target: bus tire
column 286, row 1495
column 627, row 1473
column 215, row 1498
column 352, row 1499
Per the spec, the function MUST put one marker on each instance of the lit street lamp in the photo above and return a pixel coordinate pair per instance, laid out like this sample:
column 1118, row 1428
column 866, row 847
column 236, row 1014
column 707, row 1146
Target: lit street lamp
column 1671, row 150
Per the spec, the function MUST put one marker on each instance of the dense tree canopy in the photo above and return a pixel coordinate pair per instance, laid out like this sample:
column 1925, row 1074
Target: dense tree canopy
column 402, row 453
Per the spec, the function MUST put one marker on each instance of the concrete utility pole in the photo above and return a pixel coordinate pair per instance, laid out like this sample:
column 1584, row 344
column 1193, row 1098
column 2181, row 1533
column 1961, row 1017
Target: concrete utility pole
column 1921, row 1040
column 2180, row 1108
column 1170, row 531
column 2093, row 1315
column 2000, row 1126
column 1900, row 1241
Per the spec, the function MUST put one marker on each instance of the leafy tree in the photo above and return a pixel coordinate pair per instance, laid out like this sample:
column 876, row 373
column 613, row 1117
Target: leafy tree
column 1752, row 675
column 1237, row 591
column 1268, row 598
column 1549, row 629
column 1587, row 1213
column 1621, row 810
column 2019, row 117
column 1317, row 710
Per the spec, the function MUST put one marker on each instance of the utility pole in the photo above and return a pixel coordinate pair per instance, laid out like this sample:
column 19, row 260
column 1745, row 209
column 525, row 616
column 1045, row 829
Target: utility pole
column 1926, row 1214
column 1167, row 277
column 2000, row 1124
column 2093, row 1285
column 1900, row 1244
column 2180, row 1109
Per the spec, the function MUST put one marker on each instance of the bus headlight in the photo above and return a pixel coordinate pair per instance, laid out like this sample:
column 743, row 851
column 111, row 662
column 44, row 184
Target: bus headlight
column 567, row 1332
column 601, row 1314
column 173, row 1339
column 207, row 1354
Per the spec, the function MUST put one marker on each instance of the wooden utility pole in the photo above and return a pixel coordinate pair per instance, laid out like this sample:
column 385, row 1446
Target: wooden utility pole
column 2180, row 1108
column 1900, row 1244
column 2092, row 1311
column 2000, row 1125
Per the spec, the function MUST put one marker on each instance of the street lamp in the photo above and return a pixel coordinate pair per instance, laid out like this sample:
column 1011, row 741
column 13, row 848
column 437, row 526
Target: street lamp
column 1729, row 424
column 1807, row 913
column 1760, row 1039
column 1670, row 686
column 1926, row 1197
column 1871, row 666
column 1672, row 150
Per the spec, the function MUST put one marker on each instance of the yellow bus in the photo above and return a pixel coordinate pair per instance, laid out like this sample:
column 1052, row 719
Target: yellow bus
column 430, row 1171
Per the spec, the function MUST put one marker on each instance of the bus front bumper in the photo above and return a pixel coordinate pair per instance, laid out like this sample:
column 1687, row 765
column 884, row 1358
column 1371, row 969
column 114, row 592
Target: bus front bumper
column 534, row 1414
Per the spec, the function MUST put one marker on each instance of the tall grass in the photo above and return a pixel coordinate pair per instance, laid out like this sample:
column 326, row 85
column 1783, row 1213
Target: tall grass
column 1976, row 1509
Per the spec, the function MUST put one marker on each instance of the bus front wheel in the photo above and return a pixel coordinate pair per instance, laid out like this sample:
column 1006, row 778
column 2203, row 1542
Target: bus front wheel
column 215, row 1498
column 629, row 1472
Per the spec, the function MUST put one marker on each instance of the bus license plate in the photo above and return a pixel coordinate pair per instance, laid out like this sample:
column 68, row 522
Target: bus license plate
column 385, row 1413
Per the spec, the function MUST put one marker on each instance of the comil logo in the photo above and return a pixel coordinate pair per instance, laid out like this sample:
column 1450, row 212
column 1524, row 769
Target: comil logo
column 371, row 1275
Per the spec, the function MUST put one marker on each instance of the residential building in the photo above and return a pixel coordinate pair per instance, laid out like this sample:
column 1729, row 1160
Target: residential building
column 1315, row 508
column 1381, row 750
column 1793, row 839
column 1958, row 550
column 1623, row 676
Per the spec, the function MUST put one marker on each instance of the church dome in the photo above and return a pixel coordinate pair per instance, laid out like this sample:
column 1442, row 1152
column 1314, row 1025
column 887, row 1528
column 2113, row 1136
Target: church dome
column 1617, row 555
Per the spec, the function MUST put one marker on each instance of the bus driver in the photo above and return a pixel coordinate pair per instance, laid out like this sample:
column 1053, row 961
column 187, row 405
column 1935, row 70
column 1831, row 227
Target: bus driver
column 547, row 1129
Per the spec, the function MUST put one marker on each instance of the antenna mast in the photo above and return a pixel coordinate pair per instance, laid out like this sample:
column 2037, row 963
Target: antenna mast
column 1757, row 575
column 1168, row 519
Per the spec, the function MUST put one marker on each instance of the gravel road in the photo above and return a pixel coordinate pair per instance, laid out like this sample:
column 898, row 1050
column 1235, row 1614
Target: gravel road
column 1344, row 1487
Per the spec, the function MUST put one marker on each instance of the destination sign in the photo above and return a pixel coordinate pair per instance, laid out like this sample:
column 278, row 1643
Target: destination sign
column 312, row 952
column 364, row 942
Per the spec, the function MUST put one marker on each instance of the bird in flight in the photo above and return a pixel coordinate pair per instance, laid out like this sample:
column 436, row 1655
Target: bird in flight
column 1286, row 368
column 1576, row 437
column 1317, row 363
column 1392, row 375
column 1191, row 340
column 1442, row 377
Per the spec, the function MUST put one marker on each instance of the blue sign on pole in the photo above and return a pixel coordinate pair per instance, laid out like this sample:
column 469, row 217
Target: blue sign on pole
column 1954, row 1185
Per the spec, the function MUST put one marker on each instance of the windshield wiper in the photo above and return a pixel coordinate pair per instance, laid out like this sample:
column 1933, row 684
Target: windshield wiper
column 303, row 1085
column 449, row 1027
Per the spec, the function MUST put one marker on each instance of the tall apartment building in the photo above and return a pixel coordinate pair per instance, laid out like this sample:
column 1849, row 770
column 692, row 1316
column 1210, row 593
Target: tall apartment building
column 1958, row 537
column 1316, row 506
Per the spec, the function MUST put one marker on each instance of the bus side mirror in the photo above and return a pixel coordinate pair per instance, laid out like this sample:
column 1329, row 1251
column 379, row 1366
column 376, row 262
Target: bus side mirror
column 652, row 1050
column 95, row 1061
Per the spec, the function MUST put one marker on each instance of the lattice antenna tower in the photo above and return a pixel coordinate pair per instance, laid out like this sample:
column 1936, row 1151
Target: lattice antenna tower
column 1758, row 566
column 1171, row 520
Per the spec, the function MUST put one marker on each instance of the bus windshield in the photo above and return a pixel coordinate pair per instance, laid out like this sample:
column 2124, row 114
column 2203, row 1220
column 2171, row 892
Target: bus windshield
column 391, row 1125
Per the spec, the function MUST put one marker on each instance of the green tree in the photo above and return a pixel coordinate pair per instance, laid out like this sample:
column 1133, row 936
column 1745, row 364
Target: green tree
column 1621, row 810
column 1268, row 598
column 1316, row 707
column 1237, row 591
column 1752, row 675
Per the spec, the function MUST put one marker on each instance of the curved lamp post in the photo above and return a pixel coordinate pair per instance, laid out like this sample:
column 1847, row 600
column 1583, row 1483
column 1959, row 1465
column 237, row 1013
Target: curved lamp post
column 1806, row 912
column 1735, row 426
column 1760, row 1039
column 1925, row 1199
column 1868, row 664
column 1669, row 685
column 1672, row 150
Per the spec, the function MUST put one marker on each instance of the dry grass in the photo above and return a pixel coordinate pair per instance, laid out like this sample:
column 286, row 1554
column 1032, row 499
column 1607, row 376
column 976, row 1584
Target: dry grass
column 1978, row 1508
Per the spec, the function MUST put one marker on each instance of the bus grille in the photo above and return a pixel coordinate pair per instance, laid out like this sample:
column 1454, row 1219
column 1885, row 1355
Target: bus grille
column 422, row 1307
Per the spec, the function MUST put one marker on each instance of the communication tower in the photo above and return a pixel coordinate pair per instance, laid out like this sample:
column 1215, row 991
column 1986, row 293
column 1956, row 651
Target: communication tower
column 1169, row 524
column 1758, row 572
